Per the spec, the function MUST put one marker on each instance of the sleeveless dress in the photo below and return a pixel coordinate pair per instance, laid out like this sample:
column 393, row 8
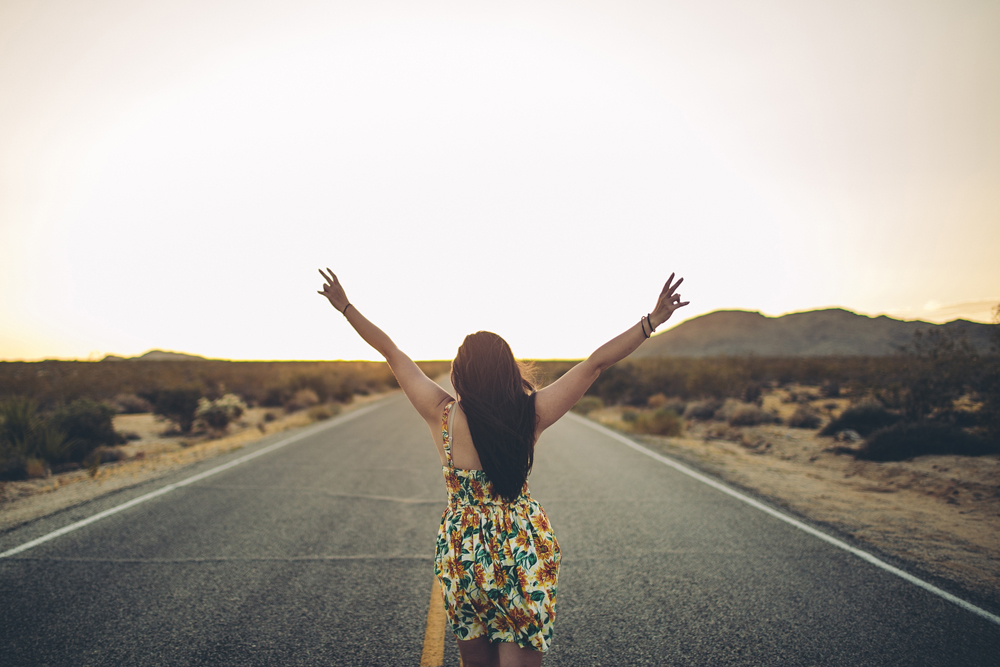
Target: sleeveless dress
column 498, row 562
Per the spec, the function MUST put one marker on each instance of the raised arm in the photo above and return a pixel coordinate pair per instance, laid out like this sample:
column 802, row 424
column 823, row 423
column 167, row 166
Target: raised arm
column 554, row 401
column 425, row 394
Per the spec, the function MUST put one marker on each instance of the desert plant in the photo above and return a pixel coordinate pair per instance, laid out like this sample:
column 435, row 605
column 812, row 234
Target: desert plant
column 302, row 399
column 179, row 406
column 217, row 414
column 753, row 393
column 865, row 417
column 804, row 417
column 656, row 400
column 588, row 404
column 321, row 412
column 751, row 415
column 87, row 425
column 907, row 440
column 702, row 410
column 630, row 416
column 25, row 438
column 130, row 404
column 659, row 422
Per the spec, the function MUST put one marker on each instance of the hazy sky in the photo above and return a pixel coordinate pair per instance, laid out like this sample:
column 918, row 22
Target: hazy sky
column 172, row 174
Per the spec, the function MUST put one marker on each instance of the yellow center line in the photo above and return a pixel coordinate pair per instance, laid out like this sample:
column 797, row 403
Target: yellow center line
column 433, row 653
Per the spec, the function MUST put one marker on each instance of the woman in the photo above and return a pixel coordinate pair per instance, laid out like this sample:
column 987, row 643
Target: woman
column 496, row 556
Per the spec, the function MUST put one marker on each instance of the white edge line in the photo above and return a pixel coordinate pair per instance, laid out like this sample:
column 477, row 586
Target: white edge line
column 864, row 555
column 190, row 480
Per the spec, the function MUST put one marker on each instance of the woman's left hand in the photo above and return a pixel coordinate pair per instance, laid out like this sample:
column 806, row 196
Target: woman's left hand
column 333, row 290
column 668, row 301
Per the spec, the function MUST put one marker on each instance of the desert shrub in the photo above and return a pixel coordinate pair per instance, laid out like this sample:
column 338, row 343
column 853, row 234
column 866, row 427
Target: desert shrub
column 804, row 417
column 702, row 410
column 270, row 417
column 753, row 393
column 131, row 404
column 217, row 414
column 729, row 407
column 906, row 440
column 301, row 399
column 659, row 422
column 25, row 437
column 656, row 400
column 751, row 415
column 588, row 404
column 35, row 468
column 87, row 425
column 829, row 389
column 865, row 418
column 178, row 405
column 321, row 412
column 274, row 397
column 630, row 416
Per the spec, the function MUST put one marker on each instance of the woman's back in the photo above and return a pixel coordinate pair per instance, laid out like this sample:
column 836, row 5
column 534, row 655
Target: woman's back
column 463, row 449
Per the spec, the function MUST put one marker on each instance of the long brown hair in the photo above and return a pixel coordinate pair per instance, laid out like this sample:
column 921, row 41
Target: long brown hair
column 499, row 404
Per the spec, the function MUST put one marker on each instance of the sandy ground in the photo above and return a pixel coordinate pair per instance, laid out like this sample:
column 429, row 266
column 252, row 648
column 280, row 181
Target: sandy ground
column 153, row 455
column 939, row 512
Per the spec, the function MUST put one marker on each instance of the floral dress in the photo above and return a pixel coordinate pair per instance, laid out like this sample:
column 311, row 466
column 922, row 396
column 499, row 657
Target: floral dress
column 498, row 562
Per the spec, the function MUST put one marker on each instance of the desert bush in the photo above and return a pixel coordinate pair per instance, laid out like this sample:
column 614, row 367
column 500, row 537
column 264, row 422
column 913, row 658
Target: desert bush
column 829, row 389
column 178, row 405
column 752, row 415
column 753, row 393
column 729, row 407
column 321, row 412
column 270, row 417
column 35, row 468
column 804, row 417
column 274, row 397
column 656, row 400
column 702, row 410
column 26, row 438
column 87, row 425
column 865, row 417
column 906, row 440
column 130, row 404
column 659, row 422
column 588, row 404
column 302, row 399
column 216, row 415
column 630, row 416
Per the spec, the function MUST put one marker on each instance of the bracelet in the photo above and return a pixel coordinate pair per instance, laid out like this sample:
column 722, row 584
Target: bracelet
column 643, row 328
column 344, row 311
column 650, row 323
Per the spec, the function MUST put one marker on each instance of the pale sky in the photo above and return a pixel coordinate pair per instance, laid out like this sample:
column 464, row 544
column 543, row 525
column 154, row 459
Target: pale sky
column 173, row 174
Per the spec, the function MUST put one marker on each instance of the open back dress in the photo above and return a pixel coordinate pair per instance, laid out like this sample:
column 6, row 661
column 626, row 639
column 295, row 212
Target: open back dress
column 497, row 561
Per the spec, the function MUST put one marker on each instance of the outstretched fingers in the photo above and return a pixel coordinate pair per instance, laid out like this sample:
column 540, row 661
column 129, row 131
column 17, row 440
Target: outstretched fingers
column 669, row 289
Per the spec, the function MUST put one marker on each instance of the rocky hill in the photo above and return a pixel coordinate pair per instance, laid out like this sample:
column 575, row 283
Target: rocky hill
column 157, row 355
column 833, row 331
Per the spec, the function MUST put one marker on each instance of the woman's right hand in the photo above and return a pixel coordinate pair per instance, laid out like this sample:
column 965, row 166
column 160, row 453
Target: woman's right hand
column 668, row 301
column 333, row 290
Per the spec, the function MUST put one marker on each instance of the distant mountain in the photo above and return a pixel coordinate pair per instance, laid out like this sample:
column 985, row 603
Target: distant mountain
column 834, row 331
column 157, row 355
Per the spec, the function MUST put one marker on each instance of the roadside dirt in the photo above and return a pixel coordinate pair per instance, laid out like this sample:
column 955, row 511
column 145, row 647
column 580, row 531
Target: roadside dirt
column 940, row 512
column 154, row 454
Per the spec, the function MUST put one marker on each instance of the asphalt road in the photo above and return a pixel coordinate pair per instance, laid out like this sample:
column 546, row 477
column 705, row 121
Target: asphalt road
column 320, row 553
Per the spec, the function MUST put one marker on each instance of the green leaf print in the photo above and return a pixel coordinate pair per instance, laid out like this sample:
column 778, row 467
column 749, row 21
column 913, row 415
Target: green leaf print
column 538, row 596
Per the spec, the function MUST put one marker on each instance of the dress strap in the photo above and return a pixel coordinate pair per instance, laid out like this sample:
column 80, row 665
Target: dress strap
column 446, row 432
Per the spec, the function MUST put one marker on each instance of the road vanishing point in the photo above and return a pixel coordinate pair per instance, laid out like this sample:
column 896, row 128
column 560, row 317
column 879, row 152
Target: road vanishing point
column 316, row 548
